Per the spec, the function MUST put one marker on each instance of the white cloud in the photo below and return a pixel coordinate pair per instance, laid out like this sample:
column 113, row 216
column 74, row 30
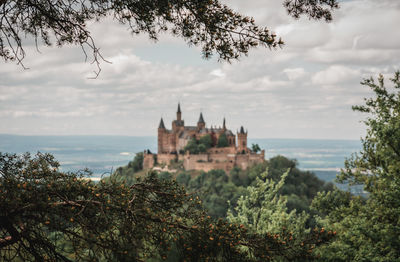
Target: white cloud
column 295, row 73
column 217, row 72
column 304, row 90
column 335, row 75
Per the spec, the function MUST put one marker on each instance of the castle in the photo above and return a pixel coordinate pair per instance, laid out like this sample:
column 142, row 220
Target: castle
column 172, row 143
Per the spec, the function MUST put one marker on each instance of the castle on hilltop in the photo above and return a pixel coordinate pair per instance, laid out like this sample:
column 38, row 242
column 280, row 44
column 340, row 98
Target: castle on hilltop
column 173, row 143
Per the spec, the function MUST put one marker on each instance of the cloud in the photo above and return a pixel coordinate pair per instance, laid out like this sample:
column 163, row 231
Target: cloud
column 304, row 90
column 335, row 75
column 295, row 73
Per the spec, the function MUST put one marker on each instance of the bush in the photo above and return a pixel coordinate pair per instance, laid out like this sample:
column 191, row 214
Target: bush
column 222, row 141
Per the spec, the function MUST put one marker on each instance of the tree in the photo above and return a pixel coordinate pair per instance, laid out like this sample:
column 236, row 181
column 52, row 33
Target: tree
column 192, row 146
column 255, row 148
column 300, row 186
column 48, row 215
column 209, row 24
column 202, row 148
column 263, row 210
column 195, row 146
column 42, row 208
column 133, row 166
column 137, row 163
column 369, row 228
column 222, row 141
column 206, row 140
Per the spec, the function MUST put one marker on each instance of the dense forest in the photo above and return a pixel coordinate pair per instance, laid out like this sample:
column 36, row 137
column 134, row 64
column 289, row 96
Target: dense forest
column 270, row 212
column 217, row 189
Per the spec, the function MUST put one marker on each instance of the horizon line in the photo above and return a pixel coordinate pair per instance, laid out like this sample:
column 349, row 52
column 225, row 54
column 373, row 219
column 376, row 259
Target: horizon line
column 98, row 135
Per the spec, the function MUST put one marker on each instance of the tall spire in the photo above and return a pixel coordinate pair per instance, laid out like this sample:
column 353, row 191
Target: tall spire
column 179, row 113
column 201, row 119
column 161, row 125
column 201, row 124
column 223, row 125
column 241, row 130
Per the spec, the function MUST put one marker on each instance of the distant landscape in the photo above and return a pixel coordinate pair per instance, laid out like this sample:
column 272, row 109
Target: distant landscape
column 102, row 154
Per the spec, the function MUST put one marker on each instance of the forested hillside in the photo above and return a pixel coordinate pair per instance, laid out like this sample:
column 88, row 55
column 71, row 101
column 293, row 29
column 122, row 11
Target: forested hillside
column 216, row 187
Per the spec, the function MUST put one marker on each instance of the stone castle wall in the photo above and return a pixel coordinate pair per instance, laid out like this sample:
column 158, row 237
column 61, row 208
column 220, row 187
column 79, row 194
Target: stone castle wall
column 190, row 162
column 166, row 158
column 207, row 166
column 148, row 161
column 208, row 161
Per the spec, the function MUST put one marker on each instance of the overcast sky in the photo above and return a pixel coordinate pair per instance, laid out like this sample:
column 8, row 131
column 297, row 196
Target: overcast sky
column 304, row 90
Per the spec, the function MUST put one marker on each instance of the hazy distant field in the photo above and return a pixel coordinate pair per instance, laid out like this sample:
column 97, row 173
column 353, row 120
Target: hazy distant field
column 102, row 154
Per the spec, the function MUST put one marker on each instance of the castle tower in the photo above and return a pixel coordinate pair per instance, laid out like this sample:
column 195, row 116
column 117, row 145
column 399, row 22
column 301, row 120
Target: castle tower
column 179, row 113
column 178, row 124
column 242, row 140
column 161, row 131
column 223, row 125
column 201, row 124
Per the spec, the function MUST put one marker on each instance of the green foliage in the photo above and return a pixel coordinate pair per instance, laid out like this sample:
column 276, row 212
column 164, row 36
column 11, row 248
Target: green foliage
column 300, row 186
column 264, row 211
column 206, row 140
column 164, row 175
column 192, row 146
column 183, row 179
column 222, row 141
column 195, row 146
column 215, row 189
column 255, row 148
column 107, row 220
column 202, row 148
column 239, row 178
column 48, row 215
column 133, row 166
column 369, row 228
column 137, row 163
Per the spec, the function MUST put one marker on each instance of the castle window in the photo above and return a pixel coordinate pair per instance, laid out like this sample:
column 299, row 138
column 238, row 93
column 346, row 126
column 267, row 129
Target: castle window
column 244, row 143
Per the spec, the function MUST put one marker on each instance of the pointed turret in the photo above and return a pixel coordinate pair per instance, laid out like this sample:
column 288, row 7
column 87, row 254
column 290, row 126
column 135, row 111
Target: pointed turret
column 242, row 130
column 223, row 125
column 201, row 119
column 161, row 125
column 201, row 124
column 179, row 113
column 161, row 136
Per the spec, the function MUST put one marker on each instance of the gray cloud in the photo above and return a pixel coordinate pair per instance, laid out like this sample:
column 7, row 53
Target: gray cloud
column 304, row 90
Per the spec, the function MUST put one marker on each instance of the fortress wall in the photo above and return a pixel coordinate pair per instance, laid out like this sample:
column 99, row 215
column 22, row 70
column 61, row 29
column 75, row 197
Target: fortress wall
column 256, row 158
column 189, row 161
column 242, row 161
column 148, row 161
column 220, row 161
column 165, row 158
column 222, row 150
column 207, row 166
column 207, row 162
column 218, row 157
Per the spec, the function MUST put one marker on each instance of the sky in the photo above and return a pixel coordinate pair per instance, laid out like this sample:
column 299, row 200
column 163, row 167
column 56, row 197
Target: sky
column 303, row 90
